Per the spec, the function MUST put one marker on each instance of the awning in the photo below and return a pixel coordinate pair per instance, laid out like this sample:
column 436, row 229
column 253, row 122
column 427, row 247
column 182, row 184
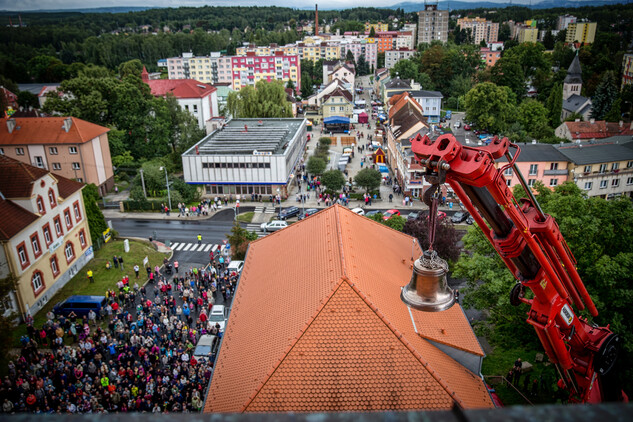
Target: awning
column 334, row 120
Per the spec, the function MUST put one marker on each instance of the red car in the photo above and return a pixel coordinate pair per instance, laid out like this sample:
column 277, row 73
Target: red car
column 466, row 127
column 390, row 213
column 440, row 215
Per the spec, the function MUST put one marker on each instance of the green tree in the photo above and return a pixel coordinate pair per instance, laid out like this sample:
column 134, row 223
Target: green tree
column 7, row 325
column 131, row 67
column 27, row 99
column 306, row 85
column 372, row 32
column 316, row 165
column 533, row 117
column 369, row 179
column 605, row 95
column 267, row 99
column 491, row 106
column 446, row 237
column 508, row 72
column 239, row 239
column 555, row 105
column 380, row 60
column 615, row 114
column 96, row 222
column 405, row 69
column 333, row 180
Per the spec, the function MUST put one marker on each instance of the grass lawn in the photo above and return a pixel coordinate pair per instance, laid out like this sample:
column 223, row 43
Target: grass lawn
column 246, row 217
column 103, row 279
column 501, row 360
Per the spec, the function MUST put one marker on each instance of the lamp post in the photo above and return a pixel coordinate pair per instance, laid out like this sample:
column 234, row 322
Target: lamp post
column 279, row 199
column 167, row 183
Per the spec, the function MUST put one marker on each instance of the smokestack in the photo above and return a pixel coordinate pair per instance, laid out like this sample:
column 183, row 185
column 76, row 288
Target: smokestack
column 316, row 20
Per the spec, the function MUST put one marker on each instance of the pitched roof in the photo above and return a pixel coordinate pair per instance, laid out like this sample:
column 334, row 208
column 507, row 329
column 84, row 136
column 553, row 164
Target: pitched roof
column 582, row 154
column 13, row 219
column 576, row 104
column 404, row 115
column 574, row 73
column 538, row 153
column 398, row 83
column 48, row 130
column 17, row 178
column 327, row 330
column 595, row 129
column 338, row 92
column 426, row 94
column 180, row 88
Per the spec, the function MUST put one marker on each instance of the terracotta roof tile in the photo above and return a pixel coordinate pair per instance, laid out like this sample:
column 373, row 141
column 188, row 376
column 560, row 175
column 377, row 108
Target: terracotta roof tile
column 180, row 88
column 17, row 178
column 13, row 219
column 326, row 330
column 67, row 187
column 448, row 328
column 48, row 130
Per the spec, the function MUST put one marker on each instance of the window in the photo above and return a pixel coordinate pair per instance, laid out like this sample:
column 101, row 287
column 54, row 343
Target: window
column 19, row 151
column 39, row 162
column 195, row 108
column 628, row 164
column 51, row 198
column 69, row 221
column 57, row 166
column 46, row 229
column 553, row 182
column 54, row 265
column 603, row 184
column 587, row 169
column 603, row 168
column 615, row 166
column 40, row 205
column 553, row 166
column 37, row 281
column 58, row 226
column 533, row 169
column 77, row 211
column 69, row 250
column 52, row 150
column 531, row 182
column 508, row 171
column 629, row 181
column 35, row 243
column 615, row 183
column 82, row 238
column 76, row 166
column 1, row 151
column 23, row 255
column 72, row 150
column 80, row 180
column 588, row 185
column 509, row 182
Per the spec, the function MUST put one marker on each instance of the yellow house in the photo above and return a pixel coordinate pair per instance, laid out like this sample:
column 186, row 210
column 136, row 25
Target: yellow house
column 337, row 103
column 44, row 234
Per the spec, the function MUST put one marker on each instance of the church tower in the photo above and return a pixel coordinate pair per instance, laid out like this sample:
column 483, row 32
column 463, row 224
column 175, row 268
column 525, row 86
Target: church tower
column 573, row 81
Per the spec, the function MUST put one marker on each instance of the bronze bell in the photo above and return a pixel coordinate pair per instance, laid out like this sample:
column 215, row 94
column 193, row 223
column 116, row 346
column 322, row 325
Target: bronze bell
column 428, row 290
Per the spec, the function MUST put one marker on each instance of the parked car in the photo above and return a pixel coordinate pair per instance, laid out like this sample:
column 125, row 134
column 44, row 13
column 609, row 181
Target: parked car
column 219, row 314
column 460, row 217
column 466, row 127
column 440, row 215
column 207, row 347
column 470, row 220
column 413, row 215
column 458, row 124
column 274, row 226
column 308, row 213
column 289, row 212
column 370, row 213
column 80, row 305
column 358, row 211
column 235, row 266
column 390, row 213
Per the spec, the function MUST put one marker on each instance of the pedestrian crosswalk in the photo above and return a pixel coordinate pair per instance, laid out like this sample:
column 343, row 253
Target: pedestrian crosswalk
column 260, row 209
column 254, row 227
column 209, row 247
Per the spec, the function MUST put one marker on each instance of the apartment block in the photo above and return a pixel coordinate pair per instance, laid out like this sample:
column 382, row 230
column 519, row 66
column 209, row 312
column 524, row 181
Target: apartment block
column 71, row 147
column 481, row 29
column 394, row 56
column 378, row 27
column 582, row 32
column 250, row 69
column 361, row 47
column 527, row 34
column 433, row 24
column 564, row 21
column 627, row 70
column 489, row 56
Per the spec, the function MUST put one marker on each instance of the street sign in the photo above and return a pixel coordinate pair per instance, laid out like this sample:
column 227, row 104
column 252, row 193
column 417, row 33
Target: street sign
column 237, row 203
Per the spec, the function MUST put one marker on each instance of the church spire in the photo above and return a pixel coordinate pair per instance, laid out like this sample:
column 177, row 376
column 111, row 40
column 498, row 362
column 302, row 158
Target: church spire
column 144, row 75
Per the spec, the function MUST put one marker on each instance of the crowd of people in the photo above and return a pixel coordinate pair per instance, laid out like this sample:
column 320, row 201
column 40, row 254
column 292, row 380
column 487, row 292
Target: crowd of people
column 136, row 355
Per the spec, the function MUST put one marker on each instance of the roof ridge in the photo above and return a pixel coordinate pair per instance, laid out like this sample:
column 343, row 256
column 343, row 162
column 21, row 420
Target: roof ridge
column 291, row 346
column 400, row 336
column 339, row 236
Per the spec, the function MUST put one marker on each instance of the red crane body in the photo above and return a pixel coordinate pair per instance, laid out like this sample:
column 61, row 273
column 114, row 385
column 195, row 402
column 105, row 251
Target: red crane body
column 532, row 247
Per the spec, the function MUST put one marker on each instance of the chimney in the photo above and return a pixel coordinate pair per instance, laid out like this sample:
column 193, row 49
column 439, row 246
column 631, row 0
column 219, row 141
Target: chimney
column 592, row 121
column 316, row 20
column 577, row 120
column 68, row 122
column 11, row 125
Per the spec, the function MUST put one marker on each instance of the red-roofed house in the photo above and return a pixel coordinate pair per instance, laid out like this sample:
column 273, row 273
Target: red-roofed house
column 197, row 98
column 44, row 235
column 71, row 147
column 326, row 331
column 592, row 129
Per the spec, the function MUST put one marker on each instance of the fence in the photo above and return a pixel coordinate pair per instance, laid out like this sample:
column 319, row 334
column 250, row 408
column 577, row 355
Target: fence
column 143, row 205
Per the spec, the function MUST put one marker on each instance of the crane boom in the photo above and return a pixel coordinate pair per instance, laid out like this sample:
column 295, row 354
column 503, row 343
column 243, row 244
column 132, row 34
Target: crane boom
column 534, row 250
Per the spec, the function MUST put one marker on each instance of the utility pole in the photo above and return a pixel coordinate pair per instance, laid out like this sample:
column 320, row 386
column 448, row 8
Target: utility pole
column 143, row 183
column 167, row 183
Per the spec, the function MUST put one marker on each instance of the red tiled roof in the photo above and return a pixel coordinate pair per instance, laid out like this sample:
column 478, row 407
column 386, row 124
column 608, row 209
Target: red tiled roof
column 17, row 178
column 597, row 129
column 67, row 187
column 13, row 219
column 180, row 88
column 48, row 130
column 338, row 92
column 327, row 330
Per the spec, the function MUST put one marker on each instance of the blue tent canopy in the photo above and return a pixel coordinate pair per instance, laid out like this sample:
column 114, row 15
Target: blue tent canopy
column 336, row 120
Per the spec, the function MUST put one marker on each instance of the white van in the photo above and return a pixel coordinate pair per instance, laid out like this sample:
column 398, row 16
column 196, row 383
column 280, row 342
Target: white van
column 235, row 266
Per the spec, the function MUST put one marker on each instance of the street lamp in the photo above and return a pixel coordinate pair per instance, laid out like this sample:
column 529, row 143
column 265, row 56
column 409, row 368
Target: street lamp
column 279, row 199
column 167, row 183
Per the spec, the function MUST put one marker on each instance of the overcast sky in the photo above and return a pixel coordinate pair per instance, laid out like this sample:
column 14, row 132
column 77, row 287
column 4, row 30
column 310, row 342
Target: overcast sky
column 324, row 4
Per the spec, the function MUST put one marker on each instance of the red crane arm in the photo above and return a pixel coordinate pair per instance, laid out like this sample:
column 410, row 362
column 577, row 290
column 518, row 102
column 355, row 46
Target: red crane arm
column 534, row 250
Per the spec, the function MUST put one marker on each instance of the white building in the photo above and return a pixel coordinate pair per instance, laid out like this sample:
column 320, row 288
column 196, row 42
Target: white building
column 394, row 56
column 247, row 156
